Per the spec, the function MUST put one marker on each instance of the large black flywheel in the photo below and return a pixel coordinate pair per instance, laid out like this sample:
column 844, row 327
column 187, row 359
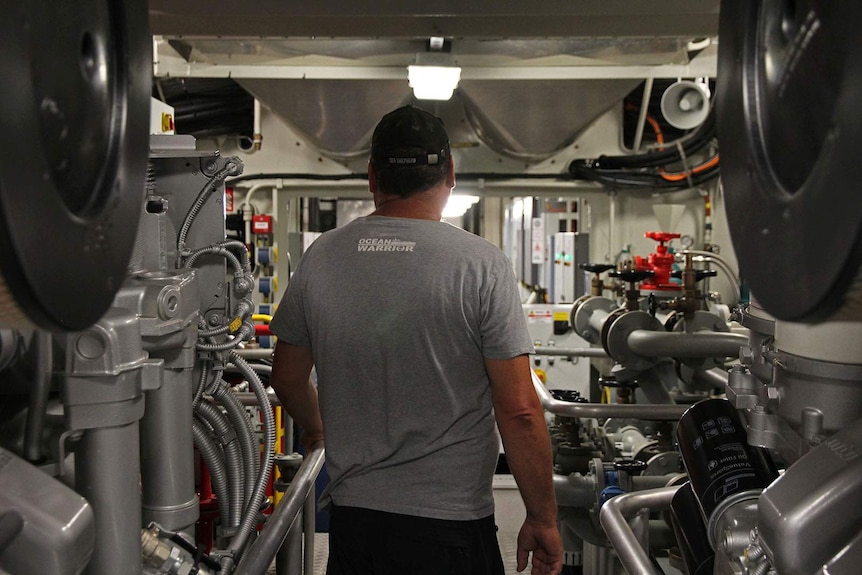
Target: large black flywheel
column 75, row 122
column 789, row 105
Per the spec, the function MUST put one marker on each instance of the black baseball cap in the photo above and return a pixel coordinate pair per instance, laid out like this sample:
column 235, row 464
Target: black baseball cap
column 409, row 136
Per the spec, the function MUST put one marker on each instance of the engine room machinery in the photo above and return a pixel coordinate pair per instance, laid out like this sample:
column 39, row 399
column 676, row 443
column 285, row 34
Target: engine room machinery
column 769, row 458
column 688, row 437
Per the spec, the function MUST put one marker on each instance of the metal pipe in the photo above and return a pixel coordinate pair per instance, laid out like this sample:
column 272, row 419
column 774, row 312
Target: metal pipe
column 254, row 353
column 612, row 208
column 597, row 319
column 598, row 410
column 167, row 454
column 308, row 529
column 289, row 559
column 575, row 490
column 572, row 351
column 39, row 394
column 259, row 557
column 614, row 515
column 257, row 367
column 250, row 399
column 639, row 130
column 682, row 345
column 595, row 410
column 715, row 377
column 722, row 263
column 107, row 474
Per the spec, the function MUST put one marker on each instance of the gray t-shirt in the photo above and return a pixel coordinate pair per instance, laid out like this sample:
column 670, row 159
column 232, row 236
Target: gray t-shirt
column 399, row 314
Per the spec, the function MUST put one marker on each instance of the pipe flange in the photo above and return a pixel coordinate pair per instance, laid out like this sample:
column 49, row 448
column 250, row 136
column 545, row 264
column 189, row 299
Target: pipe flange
column 606, row 326
column 583, row 308
column 617, row 338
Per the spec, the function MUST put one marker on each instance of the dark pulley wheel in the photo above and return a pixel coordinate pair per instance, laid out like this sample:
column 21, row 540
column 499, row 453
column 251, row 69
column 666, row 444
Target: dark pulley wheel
column 75, row 116
column 788, row 90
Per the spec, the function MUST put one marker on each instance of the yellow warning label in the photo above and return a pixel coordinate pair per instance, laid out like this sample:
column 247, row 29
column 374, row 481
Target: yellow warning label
column 561, row 316
column 235, row 324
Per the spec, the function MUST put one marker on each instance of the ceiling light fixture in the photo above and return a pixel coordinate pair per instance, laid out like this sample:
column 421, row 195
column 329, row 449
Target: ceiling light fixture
column 434, row 75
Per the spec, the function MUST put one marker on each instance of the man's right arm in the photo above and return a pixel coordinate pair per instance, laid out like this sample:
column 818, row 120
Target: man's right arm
column 291, row 370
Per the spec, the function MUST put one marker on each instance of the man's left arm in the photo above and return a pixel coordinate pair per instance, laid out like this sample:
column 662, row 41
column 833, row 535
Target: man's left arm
column 291, row 371
column 521, row 422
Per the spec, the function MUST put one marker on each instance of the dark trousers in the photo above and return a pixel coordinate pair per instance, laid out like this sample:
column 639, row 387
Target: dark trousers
column 369, row 542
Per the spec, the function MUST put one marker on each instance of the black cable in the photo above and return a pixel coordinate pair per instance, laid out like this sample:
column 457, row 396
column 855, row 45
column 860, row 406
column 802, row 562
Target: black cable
column 706, row 132
column 466, row 176
column 629, row 179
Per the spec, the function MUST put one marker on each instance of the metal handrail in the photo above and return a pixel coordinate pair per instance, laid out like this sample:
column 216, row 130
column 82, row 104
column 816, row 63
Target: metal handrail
column 258, row 558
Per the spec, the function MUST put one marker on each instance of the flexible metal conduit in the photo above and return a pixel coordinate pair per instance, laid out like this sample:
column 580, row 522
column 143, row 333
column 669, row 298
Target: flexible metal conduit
column 233, row 460
column 250, row 515
column 614, row 518
column 680, row 344
column 596, row 410
column 231, row 168
column 214, row 460
column 248, row 442
column 262, row 552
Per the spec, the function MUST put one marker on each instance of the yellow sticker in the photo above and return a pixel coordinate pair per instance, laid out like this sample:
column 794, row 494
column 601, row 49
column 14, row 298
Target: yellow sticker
column 561, row 316
column 235, row 324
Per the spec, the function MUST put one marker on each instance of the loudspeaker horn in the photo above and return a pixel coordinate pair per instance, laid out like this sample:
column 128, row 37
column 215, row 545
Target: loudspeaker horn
column 685, row 104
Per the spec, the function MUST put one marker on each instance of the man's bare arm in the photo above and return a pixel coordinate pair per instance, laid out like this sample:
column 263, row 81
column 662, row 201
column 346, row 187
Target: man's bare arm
column 521, row 422
column 291, row 381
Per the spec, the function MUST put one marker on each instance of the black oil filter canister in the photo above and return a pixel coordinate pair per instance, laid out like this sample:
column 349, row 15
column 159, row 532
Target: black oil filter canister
column 690, row 530
column 722, row 467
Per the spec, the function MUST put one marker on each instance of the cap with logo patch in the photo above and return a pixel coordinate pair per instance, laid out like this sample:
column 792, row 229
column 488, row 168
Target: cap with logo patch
column 409, row 136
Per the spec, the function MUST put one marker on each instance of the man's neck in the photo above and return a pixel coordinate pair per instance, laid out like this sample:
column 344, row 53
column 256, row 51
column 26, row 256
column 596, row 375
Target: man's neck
column 423, row 206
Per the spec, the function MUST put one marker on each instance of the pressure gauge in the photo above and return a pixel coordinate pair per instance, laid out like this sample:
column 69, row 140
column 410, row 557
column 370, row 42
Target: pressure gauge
column 686, row 241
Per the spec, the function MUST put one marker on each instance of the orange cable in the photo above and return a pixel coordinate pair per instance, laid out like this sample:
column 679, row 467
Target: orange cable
column 677, row 176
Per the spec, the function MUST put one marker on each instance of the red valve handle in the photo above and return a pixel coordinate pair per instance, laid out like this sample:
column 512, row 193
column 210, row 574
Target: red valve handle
column 661, row 237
